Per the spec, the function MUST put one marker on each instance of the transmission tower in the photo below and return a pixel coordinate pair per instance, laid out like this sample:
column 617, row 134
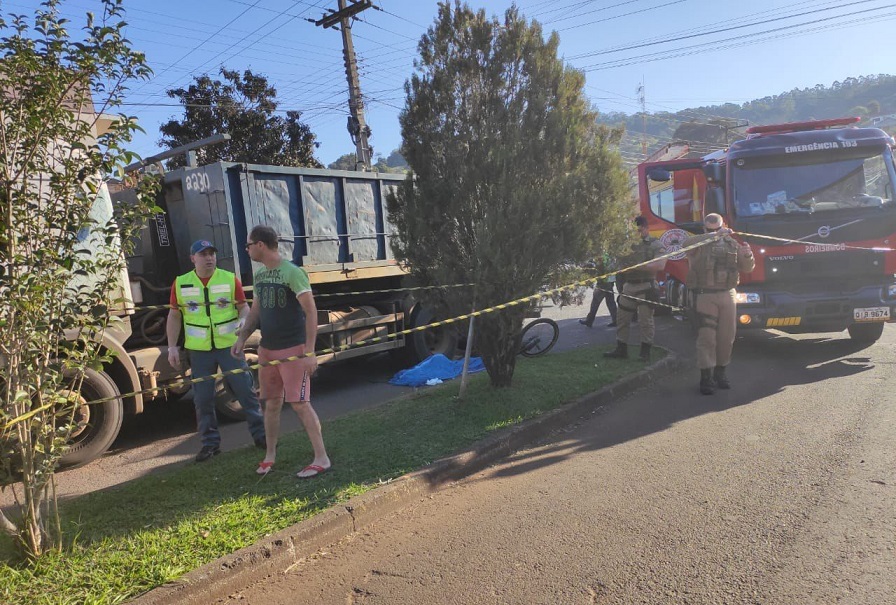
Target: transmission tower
column 642, row 99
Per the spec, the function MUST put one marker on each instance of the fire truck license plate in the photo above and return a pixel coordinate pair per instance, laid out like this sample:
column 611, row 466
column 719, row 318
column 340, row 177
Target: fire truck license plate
column 872, row 314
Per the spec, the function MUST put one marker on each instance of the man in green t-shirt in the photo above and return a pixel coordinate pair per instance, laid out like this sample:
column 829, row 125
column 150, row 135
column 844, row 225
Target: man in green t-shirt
column 283, row 308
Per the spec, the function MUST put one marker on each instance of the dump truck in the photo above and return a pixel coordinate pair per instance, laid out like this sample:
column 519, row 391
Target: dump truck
column 332, row 223
column 814, row 200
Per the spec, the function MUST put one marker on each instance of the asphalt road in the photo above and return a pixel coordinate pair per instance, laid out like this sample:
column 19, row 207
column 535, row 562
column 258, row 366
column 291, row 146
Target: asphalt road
column 164, row 435
column 778, row 491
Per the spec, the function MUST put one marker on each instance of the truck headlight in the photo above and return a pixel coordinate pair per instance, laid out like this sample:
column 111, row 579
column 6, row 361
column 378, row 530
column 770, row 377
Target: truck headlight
column 891, row 291
column 747, row 298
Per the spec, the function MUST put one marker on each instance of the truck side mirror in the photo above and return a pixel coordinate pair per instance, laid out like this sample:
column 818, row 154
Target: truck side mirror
column 715, row 200
column 714, row 172
column 660, row 175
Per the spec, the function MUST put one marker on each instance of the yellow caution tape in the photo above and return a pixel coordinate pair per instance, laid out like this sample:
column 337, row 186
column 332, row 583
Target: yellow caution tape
column 500, row 307
column 391, row 336
column 316, row 296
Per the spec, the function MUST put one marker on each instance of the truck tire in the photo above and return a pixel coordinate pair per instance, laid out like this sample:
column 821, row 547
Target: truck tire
column 420, row 345
column 97, row 424
column 226, row 404
column 672, row 292
column 866, row 332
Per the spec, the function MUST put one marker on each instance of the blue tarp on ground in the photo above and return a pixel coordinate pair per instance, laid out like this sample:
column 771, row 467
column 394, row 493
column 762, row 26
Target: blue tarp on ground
column 436, row 366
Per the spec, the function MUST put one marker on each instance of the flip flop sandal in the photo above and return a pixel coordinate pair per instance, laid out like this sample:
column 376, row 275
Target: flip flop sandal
column 264, row 467
column 318, row 470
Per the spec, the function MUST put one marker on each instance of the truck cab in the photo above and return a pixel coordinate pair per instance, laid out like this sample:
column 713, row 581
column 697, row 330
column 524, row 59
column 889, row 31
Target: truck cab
column 815, row 201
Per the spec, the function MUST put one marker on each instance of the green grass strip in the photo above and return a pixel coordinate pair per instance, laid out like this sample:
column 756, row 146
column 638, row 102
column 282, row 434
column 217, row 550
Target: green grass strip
column 126, row 540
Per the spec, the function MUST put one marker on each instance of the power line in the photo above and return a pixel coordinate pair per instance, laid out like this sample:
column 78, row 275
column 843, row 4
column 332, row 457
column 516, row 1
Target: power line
column 725, row 22
column 571, row 7
column 424, row 27
column 643, row 10
column 664, row 55
column 258, row 29
column 221, row 29
column 722, row 30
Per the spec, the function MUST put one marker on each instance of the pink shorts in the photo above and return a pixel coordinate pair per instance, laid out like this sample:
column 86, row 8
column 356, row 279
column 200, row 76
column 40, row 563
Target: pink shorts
column 284, row 378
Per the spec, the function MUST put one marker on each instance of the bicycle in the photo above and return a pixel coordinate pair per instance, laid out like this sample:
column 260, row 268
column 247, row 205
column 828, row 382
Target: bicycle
column 539, row 337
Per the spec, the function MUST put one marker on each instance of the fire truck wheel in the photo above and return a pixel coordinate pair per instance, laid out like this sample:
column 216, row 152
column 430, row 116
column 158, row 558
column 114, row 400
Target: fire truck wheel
column 866, row 332
column 672, row 292
column 96, row 425
column 226, row 403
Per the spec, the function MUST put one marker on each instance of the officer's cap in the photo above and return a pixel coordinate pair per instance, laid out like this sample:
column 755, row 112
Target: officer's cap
column 712, row 221
column 200, row 245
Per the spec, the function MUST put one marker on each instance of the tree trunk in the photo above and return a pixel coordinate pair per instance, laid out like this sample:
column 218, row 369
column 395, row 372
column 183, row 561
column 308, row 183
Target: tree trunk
column 499, row 342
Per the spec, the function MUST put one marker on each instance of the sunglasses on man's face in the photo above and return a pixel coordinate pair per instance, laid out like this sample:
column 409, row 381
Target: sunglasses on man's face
column 249, row 245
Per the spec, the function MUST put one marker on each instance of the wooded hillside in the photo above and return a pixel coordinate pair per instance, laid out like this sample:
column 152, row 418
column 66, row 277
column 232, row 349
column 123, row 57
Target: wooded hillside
column 709, row 127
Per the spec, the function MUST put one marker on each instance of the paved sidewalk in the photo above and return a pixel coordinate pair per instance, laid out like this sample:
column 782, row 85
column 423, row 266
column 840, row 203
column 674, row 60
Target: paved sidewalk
column 222, row 577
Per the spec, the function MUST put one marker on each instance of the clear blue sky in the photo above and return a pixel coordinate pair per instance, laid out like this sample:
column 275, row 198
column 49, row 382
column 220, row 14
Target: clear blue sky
column 791, row 43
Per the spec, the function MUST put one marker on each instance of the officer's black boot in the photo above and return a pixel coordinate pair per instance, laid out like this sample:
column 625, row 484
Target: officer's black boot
column 721, row 379
column 645, row 352
column 707, row 385
column 621, row 351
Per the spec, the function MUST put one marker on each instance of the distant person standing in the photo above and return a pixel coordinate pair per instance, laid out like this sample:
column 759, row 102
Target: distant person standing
column 283, row 307
column 603, row 291
column 209, row 303
column 713, row 273
column 637, row 291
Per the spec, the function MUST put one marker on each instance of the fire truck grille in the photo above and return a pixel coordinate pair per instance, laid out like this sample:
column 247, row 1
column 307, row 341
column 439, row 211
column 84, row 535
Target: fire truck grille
column 839, row 268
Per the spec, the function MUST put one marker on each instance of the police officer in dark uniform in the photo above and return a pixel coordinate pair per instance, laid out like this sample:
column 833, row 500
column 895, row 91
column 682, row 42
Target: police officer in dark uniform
column 603, row 290
column 713, row 273
column 640, row 287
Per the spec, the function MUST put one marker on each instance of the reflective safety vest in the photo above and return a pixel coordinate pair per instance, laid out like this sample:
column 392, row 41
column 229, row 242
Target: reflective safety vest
column 209, row 311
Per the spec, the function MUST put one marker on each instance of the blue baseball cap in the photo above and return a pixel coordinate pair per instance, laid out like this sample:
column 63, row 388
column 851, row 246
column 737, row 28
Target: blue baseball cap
column 200, row 245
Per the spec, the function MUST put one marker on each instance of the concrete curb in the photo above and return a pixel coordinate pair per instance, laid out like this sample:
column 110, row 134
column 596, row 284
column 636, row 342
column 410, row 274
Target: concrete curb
column 275, row 553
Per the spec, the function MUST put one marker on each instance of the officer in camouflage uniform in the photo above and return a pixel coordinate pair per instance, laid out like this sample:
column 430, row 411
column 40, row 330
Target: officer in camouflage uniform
column 714, row 271
column 640, row 287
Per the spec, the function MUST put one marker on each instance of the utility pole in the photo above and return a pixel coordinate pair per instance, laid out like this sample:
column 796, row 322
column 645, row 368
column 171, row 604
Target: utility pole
column 733, row 124
column 357, row 126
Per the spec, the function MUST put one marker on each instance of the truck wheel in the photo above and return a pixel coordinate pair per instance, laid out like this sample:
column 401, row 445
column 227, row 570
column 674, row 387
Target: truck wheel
column 681, row 297
column 96, row 425
column 866, row 332
column 226, row 404
column 672, row 293
column 420, row 345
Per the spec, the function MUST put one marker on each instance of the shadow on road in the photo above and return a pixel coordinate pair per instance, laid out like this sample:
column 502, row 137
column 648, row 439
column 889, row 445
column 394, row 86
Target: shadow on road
column 764, row 363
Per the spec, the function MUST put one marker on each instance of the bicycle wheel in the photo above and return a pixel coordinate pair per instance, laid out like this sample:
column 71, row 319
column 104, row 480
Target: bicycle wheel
column 539, row 337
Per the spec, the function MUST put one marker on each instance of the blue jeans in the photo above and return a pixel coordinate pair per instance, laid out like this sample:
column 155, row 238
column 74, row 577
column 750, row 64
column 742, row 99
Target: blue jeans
column 206, row 363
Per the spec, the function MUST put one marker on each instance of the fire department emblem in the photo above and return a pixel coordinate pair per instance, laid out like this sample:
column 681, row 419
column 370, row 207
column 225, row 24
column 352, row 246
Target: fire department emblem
column 672, row 241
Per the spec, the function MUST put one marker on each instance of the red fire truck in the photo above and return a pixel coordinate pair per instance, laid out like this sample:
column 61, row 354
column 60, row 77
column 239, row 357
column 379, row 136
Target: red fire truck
column 815, row 201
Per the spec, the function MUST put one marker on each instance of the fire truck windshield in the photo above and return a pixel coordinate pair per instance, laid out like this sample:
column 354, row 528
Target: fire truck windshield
column 776, row 185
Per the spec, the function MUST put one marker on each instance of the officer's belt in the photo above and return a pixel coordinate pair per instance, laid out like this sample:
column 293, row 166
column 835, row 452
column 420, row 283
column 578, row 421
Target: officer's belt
column 709, row 290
